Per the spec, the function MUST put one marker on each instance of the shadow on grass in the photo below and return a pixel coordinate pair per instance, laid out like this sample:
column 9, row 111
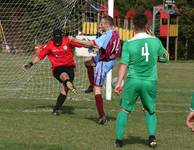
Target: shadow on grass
column 44, row 107
column 95, row 119
column 68, row 110
column 134, row 140
column 64, row 110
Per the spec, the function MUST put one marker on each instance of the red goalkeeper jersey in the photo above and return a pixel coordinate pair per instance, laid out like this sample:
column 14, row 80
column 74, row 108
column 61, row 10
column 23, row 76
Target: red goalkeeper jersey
column 59, row 56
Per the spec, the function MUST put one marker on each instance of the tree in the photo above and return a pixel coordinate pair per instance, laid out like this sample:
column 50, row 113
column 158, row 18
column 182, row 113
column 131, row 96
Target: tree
column 186, row 29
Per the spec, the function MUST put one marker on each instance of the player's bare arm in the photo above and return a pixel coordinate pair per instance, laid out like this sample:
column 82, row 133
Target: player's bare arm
column 119, row 85
column 83, row 42
column 35, row 60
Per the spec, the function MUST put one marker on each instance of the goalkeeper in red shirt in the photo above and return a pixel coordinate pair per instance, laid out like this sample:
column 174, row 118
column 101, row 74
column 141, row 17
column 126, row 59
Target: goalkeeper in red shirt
column 60, row 53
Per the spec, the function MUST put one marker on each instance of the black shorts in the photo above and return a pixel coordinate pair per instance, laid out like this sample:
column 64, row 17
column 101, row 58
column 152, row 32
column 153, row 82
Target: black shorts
column 69, row 70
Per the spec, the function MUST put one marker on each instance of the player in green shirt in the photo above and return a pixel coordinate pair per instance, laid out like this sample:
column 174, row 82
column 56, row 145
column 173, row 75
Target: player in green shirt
column 190, row 116
column 139, row 56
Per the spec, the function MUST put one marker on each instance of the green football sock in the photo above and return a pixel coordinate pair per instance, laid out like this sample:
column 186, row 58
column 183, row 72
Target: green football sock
column 151, row 123
column 121, row 123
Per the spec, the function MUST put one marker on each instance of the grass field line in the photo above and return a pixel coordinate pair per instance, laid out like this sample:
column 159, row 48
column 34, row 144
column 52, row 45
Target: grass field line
column 45, row 110
column 83, row 89
column 174, row 90
column 171, row 104
column 76, row 99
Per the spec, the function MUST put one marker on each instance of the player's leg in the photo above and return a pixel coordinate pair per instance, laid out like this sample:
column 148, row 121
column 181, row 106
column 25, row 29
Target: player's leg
column 99, row 104
column 127, row 103
column 149, row 97
column 121, row 123
column 151, row 124
column 66, row 77
column 60, row 100
column 63, row 75
column 102, row 68
column 89, row 64
column 67, row 80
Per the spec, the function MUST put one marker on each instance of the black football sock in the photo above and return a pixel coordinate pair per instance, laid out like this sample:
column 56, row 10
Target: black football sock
column 60, row 100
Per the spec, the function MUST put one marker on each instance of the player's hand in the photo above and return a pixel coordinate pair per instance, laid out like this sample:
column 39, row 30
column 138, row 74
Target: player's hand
column 27, row 66
column 70, row 38
column 190, row 120
column 118, row 88
column 95, row 50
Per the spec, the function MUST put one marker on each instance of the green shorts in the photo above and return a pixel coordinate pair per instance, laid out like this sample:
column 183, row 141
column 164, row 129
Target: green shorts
column 134, row 88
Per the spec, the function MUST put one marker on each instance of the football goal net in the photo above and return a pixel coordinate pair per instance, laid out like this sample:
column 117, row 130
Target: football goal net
column 24, row 24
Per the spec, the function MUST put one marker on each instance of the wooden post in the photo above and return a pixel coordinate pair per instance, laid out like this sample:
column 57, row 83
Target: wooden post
column 176, row 41
column 167, row 38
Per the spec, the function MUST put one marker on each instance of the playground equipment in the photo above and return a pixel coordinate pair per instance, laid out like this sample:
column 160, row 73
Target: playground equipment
column 168, row 15
column 162, row 22
column 127, row 32
column 90, row 23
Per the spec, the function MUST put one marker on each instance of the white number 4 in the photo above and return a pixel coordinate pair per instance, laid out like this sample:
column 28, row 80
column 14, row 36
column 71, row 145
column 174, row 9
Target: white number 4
column 144, row 51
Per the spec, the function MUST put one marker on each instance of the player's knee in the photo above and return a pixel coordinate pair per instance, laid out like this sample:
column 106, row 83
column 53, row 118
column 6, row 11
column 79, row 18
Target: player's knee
column 150, row 111
column 64, row 76
column 65, row 81
column 97, row 90
column 63, row 95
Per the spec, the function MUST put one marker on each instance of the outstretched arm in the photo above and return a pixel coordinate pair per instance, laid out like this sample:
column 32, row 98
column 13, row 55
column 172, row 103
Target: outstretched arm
column 41, row 52
column 34, row 60
column 82, row 42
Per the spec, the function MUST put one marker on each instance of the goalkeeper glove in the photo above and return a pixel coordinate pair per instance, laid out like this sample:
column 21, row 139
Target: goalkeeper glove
column 28, row 65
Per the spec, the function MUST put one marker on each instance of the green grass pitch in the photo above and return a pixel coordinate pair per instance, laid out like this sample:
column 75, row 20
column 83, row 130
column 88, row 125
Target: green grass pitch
column 27, row 124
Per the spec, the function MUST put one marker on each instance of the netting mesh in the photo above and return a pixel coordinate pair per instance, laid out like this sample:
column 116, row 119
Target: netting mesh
column 23, row 24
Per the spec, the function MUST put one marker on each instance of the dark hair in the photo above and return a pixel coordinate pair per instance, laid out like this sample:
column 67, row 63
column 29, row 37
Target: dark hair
column 57, row 37
column 140, row 21
column 57, row 32
column 109, row 19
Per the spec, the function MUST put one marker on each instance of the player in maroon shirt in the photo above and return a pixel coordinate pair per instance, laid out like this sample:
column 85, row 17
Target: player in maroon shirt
column 109, row 47
column 60, row 53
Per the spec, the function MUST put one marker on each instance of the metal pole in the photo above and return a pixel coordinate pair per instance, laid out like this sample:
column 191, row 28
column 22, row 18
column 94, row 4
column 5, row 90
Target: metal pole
column 153, row 21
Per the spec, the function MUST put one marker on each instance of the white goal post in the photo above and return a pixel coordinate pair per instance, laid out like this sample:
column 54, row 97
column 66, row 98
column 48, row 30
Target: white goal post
column 109, row 75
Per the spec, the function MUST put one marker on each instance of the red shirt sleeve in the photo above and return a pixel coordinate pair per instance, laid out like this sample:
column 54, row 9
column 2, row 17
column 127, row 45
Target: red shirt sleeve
column 75, row 44
column 44, row 52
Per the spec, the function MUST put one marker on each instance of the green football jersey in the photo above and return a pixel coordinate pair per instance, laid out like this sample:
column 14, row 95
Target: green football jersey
column 140, row 54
